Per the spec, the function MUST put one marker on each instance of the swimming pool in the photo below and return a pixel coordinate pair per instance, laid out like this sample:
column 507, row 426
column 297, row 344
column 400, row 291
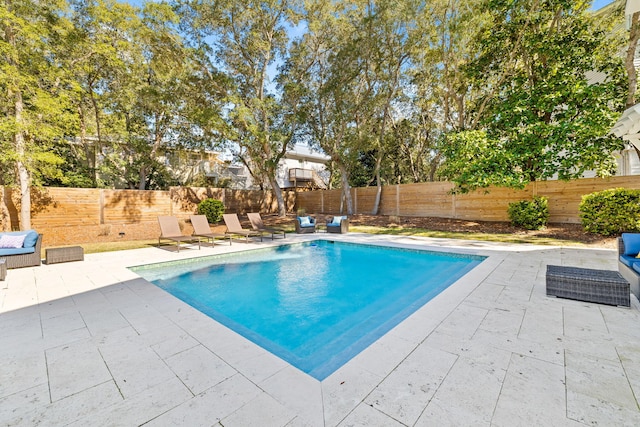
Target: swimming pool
column 315, row 304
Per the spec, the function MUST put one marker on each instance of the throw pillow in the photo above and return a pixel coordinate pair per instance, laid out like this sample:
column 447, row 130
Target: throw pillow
column 11, row 241
column 336, row 220
column 304, row 220
column 631, row 243
column 30, row 239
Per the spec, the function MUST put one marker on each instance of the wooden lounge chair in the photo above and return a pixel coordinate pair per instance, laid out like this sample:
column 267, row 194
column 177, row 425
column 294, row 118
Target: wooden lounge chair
column 170, row 230
column 234, row 228
column 201, row 228
column 258, row 226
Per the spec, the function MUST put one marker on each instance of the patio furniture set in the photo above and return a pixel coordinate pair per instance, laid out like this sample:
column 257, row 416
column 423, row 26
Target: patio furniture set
column 23, row 249
column 335, row 224
column 170, row 228
column 20, row 249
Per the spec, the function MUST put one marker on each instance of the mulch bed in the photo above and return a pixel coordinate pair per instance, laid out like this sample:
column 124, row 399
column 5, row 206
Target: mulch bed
column 557, row 231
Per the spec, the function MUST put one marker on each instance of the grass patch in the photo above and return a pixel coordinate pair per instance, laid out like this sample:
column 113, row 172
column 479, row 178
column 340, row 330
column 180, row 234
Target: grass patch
column 93, row 248
column 485, row 237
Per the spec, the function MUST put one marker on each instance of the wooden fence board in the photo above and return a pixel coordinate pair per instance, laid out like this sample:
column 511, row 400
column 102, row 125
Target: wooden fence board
column 59, row 207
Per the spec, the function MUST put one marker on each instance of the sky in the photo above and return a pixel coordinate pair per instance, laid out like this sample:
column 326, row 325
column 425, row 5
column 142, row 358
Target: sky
column 597, row 4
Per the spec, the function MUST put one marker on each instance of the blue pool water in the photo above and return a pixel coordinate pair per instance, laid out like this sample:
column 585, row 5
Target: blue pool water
column 315, row 305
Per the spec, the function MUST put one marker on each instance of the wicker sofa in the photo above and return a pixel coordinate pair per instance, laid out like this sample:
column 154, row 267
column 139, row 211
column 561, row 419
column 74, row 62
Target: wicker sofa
column 28, row 255
column 628, row 263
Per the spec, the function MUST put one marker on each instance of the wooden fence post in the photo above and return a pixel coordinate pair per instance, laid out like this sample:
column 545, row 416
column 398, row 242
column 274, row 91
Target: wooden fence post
column 101, row 207
column 355, row 201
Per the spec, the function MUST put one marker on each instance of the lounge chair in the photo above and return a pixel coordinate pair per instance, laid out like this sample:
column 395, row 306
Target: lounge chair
column 201, row 228
column 234, row 228
column 170, row 230
column 305, row 224
column 338, row 224
column 258, row 226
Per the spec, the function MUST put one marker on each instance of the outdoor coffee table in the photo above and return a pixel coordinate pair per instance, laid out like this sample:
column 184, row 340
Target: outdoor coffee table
column 586, row 284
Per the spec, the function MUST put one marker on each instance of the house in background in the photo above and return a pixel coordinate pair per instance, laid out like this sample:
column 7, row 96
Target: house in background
column 303, row 167
column 300, row 167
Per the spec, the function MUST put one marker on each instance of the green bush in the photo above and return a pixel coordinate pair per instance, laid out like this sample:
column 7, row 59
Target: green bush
column 532, row 215
column 212, row 209
column 611, row 212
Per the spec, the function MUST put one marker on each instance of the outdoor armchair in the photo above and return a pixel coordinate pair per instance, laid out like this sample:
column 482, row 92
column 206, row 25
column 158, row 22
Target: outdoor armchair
column 305, row 224
column 338, row 224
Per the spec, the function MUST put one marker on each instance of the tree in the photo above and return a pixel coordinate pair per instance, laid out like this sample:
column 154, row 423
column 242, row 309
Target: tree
column 542, row 118
column 247, row 39
column 322, row 69
column 35, row 101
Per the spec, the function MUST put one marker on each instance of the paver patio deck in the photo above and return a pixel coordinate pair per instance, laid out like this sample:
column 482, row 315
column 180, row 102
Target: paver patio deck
column 91, row 343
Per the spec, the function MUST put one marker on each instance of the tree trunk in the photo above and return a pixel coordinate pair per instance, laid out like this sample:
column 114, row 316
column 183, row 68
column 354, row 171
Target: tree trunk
column 632, row 78
column 277, row 191
column 5, row 220
column 24, row 178
column 376, row 203
column 89, row 149
column 346, row 188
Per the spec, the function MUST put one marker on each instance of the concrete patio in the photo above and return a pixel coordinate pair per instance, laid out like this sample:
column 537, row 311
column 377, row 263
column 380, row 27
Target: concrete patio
column 91, row 343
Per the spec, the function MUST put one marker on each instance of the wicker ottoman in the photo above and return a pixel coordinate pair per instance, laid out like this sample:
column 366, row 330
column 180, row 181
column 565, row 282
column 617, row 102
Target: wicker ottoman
column 70, row 253
column 3, row 269
column 585, row 284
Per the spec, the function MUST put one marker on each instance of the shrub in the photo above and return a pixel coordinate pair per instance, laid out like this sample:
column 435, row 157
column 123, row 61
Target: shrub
column 611, row 212
column 532, row 215
column 212, row 209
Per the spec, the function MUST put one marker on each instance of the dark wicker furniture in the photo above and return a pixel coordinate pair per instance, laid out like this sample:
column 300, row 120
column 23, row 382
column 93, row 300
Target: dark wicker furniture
column 25, row 260
column 585, row 284
column 3, row 269
column 70, row 253
column 341, row 228
column 305, row 229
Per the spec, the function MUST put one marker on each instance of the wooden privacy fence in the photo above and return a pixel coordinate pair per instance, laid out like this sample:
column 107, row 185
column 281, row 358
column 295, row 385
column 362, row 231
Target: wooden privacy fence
column 78, row 215
column 434, row 199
